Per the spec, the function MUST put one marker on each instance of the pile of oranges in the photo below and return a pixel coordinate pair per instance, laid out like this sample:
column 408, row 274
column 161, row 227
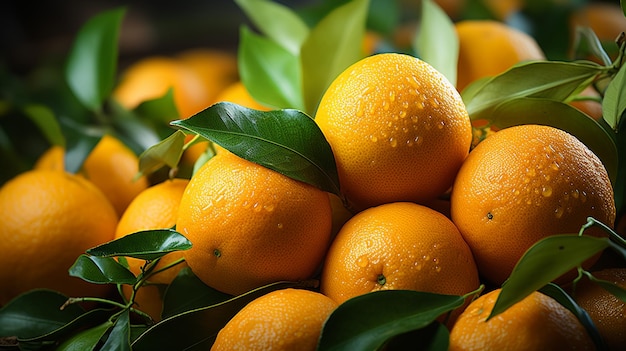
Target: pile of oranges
column 423, row 206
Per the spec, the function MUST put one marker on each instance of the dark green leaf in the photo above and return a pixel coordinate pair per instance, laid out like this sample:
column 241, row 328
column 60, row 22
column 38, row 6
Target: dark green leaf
column 545, row 261
column 437, row 42
column 286, row 141
column 193, row 327
column 45, row 120
column 101, row 270
column 609, row 286
column 86, row 320
column 187, row 292
column 165, row 153
column 277, row 22
column 553, row 80
column 559, row 115
column 119, row 338
column 585, row 36
column 614, row 101
column 92, row 62
column 433, row 337
column 270, row 72
column 79, row 142
column 332, row 45
column 145, row 245
column 557, row 293
column 36, row 313
column 366, row 322
column 85, row 340
column 159, row 110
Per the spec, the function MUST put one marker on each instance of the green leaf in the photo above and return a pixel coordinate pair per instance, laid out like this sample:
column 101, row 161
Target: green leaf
column 389, row 313
column 167, row 152
column 270, row 72
column 278, row 22
column 585, row 36
column 546, row 260
column 87, row 339
column 145, row 245
column 559, row 115
column 79, row 142
column 286, row 141
column 609, row 286
column 86, row 320
column 35, row 313
column 187, row 292
column 332, row 45
column 614, row 101
column 437, row 42
column 159, row 110
column 101, row 270
column 433, row 337
column 557, row 293
column 542, row 79
column 119, row 338
column 197, row 326
column 47, row 123
column 92, row 62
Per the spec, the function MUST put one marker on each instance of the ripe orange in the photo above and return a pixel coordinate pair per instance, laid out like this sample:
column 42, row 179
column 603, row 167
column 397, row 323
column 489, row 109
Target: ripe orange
column 49, row 218
column 252, row 226
column 399, row 245
column 538, row 322
column 522, row 184
column 606, row 310
column 593, row 108
column 287, row 319
column 398, row 129
column 154, row 208
column 488, row 48
column 111, row 166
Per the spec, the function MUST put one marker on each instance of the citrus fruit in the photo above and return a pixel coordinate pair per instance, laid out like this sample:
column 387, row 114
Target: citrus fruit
column 398, row 245
column 538, row 322
column 589, row 103
column 49, row 218
column 521, row 185
column 286, row 319
column 607, row 21
column 151, row 77
column 488, row 48
column 606, row 310
column 111, row 166
column 216, row 68
column 398, row 129
column 154, row 208
column 252, row 226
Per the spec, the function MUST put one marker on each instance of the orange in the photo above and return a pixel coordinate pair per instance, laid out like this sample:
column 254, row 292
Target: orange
column 521, row 185
column 398, row 246
column 502, row 9
column 151, row 77
column 111, row 166
column 398, row 129
column 606, row 310
column 154, row 208
column 287, row 319
column 252, row 226
column 488, row 48
column 49, row 218
column 538, row 322
column 592, row 107
column 216, row 68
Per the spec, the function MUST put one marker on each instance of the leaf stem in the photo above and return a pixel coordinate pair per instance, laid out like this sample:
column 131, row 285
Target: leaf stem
column 73, row 300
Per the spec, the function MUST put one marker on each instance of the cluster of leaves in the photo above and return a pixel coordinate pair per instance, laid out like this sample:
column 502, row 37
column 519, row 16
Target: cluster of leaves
column 289, row 65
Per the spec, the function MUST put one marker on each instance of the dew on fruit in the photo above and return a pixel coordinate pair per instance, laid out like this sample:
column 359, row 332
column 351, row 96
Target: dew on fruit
column 268, row 208
column 546, row 190
column 392, row 96
column 558, row 212
column 414, row 119
column 575, row 193
column 402, row 114
column 373, row 138
column 393, row 142
column 362, row 261
column 279, row 226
